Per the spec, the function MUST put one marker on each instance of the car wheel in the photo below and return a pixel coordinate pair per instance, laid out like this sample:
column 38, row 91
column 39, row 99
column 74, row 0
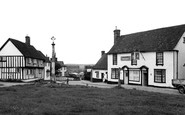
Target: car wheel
column 181, row 90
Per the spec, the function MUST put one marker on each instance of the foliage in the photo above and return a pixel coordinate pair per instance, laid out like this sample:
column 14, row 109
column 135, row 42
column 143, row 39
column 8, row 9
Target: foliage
column 57, row 67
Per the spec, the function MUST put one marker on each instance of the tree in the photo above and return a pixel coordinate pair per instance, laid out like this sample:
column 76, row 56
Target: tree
column 57, row 67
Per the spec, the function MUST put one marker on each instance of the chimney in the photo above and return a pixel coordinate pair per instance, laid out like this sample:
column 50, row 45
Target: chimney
column 27, row 40
column 102, row 53
column 116, row 35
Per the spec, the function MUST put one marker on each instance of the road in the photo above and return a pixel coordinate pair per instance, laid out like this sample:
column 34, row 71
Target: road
column 136, row 87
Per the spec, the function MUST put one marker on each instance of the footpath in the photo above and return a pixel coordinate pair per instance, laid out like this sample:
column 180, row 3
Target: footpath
column 135, row 87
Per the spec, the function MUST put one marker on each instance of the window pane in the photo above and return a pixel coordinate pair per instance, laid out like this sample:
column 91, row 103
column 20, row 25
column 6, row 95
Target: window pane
column 134, row 75
column 114, row 59
column 114, row 73
column 117, row 73
column 160, row 75
column 4, row 59
column 159, row 56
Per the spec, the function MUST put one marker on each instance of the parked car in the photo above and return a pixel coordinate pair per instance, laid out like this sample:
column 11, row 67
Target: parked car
column 179, row 84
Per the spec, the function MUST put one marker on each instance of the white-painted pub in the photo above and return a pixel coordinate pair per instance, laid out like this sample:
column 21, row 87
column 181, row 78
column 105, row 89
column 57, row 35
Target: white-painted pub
column 149, row 58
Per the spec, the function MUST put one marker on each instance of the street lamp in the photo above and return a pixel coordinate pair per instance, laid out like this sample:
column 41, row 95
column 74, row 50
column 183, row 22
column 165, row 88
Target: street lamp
column 53, row 60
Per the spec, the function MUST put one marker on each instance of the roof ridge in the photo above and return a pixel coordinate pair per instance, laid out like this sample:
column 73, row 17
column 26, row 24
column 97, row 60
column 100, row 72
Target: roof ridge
column 161, row 39
column 26, row 49
column 150, row 30
column 21, row 42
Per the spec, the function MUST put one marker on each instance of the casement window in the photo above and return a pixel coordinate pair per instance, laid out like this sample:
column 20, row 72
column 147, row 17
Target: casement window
column 160, row 75
column 3, row 59
column 17, row 70
column 40, row 62
column 34, row 61
column 28, row 72
column 29, row 60
column 97, row 74
column 40, row 71
column 133, row 59
column 115, row 59
column 115, row 73
column 31, row 71
column 159, row 58
column 134, row 75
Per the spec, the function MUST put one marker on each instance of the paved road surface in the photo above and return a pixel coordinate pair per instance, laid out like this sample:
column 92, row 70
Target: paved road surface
column 144, row 88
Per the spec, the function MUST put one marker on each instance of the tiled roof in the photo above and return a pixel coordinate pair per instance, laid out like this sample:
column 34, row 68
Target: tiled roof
column 163, row 39
column 27, row 50
column 102, row 63
column 61, row 63
column 44, row 57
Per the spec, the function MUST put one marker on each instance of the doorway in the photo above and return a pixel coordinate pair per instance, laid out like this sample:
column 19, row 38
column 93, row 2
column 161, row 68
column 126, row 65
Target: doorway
column 125, row 76
column 102, row 76
column 145, row 77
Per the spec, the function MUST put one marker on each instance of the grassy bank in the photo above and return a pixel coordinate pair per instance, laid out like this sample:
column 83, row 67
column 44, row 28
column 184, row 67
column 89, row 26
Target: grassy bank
column 74, row 100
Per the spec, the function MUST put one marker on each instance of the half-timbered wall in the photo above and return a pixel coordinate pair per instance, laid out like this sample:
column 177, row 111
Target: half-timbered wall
column 11, row 67
column 30, row 62
column 34, row 68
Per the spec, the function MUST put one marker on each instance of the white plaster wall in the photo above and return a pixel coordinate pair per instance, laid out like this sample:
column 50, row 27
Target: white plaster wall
column 63, row 70
column 47, row 67
column 100, row 72
column 10, row 50
column 181, row 57
column 147, row 59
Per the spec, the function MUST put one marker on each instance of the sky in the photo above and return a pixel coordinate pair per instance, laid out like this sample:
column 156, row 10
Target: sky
column 83, row 28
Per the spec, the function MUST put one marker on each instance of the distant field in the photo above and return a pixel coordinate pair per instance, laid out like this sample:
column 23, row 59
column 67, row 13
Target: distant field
column 75, row 100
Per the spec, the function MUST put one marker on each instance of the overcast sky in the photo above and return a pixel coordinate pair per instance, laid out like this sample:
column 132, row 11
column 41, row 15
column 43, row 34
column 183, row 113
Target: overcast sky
column 83, row 28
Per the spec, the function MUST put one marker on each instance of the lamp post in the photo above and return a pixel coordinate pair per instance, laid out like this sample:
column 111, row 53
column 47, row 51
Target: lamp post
column 53, row 60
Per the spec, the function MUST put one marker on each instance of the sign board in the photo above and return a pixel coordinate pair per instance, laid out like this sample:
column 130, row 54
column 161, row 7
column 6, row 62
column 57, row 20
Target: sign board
column 125, row 58
column 88, row 70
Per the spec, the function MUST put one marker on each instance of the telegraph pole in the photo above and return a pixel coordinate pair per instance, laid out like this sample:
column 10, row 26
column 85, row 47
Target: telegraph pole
column 53, row 60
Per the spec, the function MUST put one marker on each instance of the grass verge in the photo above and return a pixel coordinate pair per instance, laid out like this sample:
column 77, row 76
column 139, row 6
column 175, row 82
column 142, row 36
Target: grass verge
column 44, row 99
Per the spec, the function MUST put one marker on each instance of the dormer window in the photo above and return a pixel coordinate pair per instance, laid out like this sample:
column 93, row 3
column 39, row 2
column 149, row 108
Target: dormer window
column 159, row 58
column 184, row 40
